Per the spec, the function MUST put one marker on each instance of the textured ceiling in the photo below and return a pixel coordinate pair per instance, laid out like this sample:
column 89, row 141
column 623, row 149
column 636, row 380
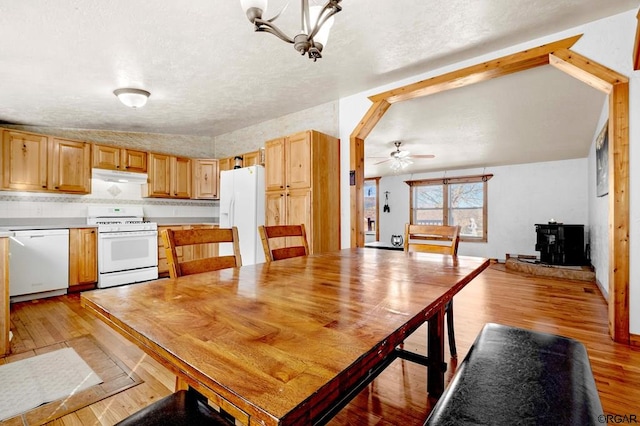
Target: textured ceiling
column 209, row 73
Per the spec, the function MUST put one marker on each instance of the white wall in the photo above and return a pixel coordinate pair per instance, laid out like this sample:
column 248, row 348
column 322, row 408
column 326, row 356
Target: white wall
column 609, row 42
column 598, row 217
column 323, row 118
column 519, row 196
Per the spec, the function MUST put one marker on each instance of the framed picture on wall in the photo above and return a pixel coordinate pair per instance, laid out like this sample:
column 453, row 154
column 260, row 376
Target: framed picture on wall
column 602, row 161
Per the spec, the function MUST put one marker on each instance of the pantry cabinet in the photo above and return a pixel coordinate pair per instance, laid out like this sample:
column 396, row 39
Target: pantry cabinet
column 205, row 179
column 34, row 162
column 83, row 258
column 114, row 158
column 302, row 183
column 169, row 177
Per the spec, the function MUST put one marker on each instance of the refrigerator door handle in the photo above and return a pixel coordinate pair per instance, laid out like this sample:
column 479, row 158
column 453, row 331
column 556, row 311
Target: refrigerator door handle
column 232, row 207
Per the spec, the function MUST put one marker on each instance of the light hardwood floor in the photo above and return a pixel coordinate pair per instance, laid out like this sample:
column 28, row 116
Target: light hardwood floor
column 398, row 397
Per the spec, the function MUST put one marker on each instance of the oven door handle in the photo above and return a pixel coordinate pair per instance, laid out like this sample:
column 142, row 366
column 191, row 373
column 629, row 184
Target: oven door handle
column 116, row 235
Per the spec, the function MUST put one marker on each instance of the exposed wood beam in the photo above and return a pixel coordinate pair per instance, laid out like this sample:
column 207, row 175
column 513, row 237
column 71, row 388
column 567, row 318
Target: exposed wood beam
column 617, row 87
column 636, row 46
column 586, row 70
column 505, row 65
column 592, row 73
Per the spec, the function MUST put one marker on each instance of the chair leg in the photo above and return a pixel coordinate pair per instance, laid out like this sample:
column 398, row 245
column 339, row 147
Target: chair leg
column 452, row 338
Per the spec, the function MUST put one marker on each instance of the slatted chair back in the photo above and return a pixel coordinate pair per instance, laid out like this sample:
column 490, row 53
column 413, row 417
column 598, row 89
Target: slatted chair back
column 179, row 238
column 274, row 237
column 432, row 238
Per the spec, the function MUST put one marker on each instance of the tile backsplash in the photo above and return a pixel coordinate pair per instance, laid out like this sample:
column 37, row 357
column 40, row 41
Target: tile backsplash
column 31, row 206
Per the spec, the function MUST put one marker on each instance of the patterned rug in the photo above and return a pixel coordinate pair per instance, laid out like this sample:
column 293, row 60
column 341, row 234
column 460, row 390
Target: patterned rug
column 34, row 381
column 83, row 373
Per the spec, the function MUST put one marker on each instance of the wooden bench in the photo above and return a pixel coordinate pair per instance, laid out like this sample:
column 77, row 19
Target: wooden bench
column 516, row 376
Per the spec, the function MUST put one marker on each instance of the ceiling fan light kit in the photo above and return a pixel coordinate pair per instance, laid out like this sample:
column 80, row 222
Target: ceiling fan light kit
column 401, row 159
column 133, row 98
column 315, row 24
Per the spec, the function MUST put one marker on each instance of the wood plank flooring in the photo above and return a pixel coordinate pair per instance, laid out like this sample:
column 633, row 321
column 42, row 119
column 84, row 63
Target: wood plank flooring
column 398, row 397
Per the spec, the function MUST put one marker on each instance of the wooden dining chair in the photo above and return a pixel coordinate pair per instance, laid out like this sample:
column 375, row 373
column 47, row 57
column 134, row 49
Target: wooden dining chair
column 274, row 241
column 435, row 239
column 179, row 238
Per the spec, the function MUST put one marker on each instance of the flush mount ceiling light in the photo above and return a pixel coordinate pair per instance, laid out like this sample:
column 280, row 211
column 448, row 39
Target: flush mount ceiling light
column 134, row 98
column 315, row 23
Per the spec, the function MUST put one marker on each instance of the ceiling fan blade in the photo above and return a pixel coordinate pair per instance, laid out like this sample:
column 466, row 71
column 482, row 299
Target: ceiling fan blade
column 383, row 161
column 422, row 156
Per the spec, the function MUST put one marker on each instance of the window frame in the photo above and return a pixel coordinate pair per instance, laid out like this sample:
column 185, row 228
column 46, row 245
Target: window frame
column 444, row 183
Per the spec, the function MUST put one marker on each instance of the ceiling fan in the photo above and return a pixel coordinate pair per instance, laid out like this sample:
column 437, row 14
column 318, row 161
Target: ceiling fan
column 401, row 159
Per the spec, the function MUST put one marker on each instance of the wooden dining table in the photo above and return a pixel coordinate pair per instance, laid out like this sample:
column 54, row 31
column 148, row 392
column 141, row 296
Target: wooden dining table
column 290, row 342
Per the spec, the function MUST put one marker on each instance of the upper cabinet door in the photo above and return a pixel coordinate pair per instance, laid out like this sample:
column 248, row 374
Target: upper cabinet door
column 274, row 164
column 133, row 161
column 181, row 171
column 205, row 178
column 106, row 157
column 70, row 168
column 251, row 158
column 159, row 176
column 24, row 161
column 298, row 161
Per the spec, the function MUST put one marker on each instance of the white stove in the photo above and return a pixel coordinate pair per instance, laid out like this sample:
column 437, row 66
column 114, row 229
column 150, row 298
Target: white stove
column 127, row 245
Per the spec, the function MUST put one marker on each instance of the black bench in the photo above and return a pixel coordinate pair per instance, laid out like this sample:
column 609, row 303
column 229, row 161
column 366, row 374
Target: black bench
column 515, row 376
column 182, row 408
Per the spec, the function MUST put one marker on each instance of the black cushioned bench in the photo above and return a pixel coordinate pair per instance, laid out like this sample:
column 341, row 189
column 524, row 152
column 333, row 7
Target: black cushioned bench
column 514, row 376
column 182, row 408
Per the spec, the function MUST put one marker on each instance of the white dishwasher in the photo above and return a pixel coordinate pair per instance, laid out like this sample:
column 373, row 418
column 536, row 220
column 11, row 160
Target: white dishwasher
column 38, row 264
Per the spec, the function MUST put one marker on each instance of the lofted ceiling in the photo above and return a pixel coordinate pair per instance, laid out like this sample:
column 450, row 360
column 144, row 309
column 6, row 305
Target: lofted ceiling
column 210, row 74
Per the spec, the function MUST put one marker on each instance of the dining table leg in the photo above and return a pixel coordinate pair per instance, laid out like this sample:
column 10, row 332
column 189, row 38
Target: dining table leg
column 435, row 353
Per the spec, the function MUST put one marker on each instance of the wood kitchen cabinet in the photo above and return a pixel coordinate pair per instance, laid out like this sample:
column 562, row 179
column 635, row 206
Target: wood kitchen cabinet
column 83, row 258
column 205, row 179
column 34, row 162
column 302, row 182
column 69, row 166
column 24, row 161
column 251, row 159
column 114, row 158
column 169, row 177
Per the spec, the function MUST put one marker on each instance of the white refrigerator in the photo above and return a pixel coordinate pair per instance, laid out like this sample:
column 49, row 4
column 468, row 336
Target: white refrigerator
column 242, row 204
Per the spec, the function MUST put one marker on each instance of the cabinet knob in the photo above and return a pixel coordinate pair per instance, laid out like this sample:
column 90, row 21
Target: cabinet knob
column 117, row 167
column 287, row 186
column 206, row 176
column 44, row 186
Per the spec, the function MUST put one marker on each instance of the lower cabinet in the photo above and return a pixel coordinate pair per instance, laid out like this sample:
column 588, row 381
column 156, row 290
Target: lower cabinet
column 184, row 253
column 83, row 258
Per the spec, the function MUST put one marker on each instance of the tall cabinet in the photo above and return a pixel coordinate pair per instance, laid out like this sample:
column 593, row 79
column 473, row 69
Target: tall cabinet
column 302, row 180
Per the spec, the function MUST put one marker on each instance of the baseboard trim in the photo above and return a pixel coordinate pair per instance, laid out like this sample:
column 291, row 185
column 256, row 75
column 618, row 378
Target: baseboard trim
column 634, row 340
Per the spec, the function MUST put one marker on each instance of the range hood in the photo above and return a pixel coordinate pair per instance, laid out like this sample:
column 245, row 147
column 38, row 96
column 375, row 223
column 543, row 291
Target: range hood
column 118, row 176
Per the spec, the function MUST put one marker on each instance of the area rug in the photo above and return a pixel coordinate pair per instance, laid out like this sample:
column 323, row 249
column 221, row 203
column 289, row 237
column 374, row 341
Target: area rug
column 116, row 377
column 34, row 381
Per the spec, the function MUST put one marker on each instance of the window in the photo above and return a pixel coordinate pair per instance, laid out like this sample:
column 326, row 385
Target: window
column 452, row 201
column 371, row 209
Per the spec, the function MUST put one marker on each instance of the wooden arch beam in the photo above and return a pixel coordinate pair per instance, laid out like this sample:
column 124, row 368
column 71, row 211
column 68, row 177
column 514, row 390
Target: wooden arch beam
column 558, row 55
column 617, row 87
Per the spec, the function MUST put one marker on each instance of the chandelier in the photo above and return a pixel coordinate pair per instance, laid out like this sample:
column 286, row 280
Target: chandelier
column 315, row 23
